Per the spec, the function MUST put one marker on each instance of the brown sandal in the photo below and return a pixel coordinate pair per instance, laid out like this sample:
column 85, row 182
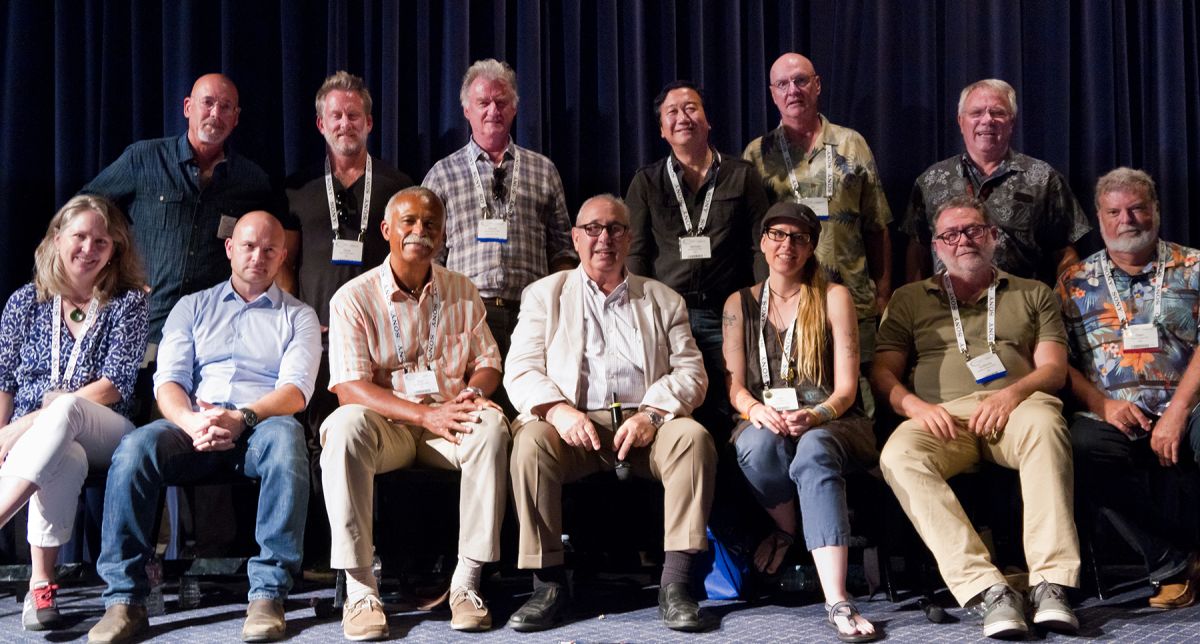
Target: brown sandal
column 848, row 610
column 778, row 542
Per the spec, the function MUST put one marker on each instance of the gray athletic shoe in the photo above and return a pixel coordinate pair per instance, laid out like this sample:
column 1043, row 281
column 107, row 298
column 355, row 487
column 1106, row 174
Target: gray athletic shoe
column 1003, row 612
column 40, row 611
column 1051, row 609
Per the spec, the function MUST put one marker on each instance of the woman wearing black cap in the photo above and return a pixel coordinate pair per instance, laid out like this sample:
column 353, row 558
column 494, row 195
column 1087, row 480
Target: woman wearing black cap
column 791, row 356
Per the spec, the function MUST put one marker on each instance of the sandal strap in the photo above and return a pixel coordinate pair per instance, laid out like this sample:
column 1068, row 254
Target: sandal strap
column 788, row 539
column 845, row 609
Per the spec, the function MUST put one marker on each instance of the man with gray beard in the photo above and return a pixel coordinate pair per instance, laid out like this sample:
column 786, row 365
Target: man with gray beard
column 1131, row 313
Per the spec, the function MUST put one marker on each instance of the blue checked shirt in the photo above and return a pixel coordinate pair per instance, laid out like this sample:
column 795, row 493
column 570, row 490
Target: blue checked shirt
column 157, row 183
column 539, row 236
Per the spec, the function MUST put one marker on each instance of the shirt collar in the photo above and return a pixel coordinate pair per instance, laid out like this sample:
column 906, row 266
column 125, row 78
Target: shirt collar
column 393, row 292
column 1010, row 163
column 475, row 151
column 712, row 169
column 621, row 292
column 1151, row 266
column 271, row 298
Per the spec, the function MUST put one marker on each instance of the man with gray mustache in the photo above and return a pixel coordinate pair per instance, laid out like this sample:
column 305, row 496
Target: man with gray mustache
column 413, row 363
column 1131, row 313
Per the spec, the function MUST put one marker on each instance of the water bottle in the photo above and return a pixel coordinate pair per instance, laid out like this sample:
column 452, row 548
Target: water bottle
column 154, row 600
column 798, row 579
column 189, row 592
column 377, row 571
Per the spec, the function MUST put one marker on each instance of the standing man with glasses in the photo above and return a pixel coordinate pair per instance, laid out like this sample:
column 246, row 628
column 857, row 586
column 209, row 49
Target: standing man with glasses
column 989, row 395
column 506, row 215
column 586, row 339
column 693, row 217
column 1036, row 214
column 339, row 206
column 830, row 169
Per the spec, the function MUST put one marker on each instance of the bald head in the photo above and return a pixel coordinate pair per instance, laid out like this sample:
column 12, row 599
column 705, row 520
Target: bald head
column 211, row 110
column 795, row 88
column 255, row 251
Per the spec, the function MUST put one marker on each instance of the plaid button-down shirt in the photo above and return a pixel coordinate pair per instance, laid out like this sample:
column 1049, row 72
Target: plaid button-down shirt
column 538, row 234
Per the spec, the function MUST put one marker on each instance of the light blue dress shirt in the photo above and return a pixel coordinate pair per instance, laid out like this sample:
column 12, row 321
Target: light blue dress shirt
column 226, row 351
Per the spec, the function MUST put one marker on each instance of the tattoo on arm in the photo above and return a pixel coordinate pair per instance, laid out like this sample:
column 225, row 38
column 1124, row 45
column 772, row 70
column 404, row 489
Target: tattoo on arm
column 729, row 319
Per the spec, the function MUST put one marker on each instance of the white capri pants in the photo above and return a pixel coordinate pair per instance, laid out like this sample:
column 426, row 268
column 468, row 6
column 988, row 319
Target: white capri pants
column 69, row 436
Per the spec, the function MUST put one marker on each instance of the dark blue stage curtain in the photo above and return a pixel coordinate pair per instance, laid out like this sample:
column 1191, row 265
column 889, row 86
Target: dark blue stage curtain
column 1101, row 83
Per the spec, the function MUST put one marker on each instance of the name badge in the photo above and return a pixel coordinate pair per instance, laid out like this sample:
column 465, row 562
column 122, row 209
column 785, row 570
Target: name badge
column 695, row 247
column 781, row 398
column 492, row 230
column 420, row 383
column 225, row 228
column 819, row 205
column 986, row 368
column 50, row 395
column 347, row 251
column 1141, row 338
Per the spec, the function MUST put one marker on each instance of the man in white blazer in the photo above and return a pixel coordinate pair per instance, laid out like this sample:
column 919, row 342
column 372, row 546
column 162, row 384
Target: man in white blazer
column 588, row 339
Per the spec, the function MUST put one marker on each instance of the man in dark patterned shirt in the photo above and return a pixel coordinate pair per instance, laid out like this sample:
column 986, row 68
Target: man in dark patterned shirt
column 1037, row 216
column 506, row 215
column 184, row 194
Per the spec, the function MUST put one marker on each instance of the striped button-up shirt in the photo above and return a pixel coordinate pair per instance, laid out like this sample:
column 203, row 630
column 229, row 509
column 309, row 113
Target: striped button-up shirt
column 538, row 232
column 363, row 344
column 613, row 356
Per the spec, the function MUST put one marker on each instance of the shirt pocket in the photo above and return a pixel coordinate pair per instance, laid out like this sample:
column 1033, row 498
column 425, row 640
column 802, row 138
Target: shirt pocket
column 166, row 209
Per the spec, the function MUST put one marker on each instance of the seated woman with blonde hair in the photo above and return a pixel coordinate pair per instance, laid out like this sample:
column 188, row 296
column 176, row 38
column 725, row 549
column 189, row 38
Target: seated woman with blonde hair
column 791, row 357
column 72, row 343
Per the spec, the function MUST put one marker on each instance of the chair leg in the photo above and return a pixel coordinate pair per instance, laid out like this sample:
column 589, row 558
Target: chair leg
column 1094, row 564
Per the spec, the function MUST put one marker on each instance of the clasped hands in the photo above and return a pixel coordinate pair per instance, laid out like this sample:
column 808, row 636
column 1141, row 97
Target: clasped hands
column 213, row 428
column 453, row 419
column 577, row 430
column 784, row 423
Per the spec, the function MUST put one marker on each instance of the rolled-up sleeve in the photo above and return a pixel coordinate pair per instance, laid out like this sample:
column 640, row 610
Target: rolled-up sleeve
column 302, row 357
column 177, row 349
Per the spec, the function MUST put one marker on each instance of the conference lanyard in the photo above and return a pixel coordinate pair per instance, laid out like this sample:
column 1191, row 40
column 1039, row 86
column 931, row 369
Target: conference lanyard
column 785, row 366
column 56, row 343
column 1119, row 304
column 787, row 159
column 683, row 209
column 366, row 204
column 509, row 202
column 958, row 327
column 385, row 281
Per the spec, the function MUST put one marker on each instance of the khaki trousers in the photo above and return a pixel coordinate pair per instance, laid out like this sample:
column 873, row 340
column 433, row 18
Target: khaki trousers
column 682, row 456
column 1036, row 443
column 359, row 443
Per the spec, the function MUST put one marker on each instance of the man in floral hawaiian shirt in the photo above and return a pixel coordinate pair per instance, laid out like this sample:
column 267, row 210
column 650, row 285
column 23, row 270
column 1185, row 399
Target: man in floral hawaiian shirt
column 1131, row 313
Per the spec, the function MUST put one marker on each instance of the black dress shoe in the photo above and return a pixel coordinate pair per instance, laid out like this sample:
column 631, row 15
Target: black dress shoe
column 678, row 610
column 541, row 611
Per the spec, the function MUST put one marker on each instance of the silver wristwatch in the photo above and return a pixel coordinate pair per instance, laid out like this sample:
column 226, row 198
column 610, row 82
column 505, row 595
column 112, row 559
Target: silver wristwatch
column 655, row 418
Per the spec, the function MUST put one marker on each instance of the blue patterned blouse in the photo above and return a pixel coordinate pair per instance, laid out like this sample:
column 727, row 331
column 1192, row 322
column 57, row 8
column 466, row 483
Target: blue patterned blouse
column 113, row 348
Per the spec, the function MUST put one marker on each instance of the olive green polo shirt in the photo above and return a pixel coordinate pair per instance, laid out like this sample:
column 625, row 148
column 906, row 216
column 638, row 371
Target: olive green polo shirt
column 918, row 323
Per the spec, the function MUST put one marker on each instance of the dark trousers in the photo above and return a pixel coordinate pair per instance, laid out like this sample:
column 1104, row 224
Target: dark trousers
column 502, row 319
column 1111, row 474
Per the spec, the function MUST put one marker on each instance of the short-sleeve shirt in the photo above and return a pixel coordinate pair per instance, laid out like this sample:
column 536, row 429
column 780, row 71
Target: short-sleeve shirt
column 918, row 323
column 734, row 218
column 857, row 204
column 539, row 236
column 1029, row 201
column 175, row 222
column 362, row 342
column 113, row 348
column 317, row 276
column 1095, row 345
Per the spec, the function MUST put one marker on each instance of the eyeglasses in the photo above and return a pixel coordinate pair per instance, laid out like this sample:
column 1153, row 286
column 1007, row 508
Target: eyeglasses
column 974, row 232
column 997, row 113
column 801, row 82
column 499, row 187
column 776, row 235
column 346, row 206
column 615, row 231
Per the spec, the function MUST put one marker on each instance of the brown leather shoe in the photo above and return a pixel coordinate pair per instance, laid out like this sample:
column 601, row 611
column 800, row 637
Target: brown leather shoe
column 264, row 621
column 468, row 611
column 120, row 622
column 1180, row 593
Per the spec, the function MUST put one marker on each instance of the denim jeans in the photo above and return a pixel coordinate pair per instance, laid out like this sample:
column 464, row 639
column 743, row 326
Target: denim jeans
column 778, row 467
column 161, row 454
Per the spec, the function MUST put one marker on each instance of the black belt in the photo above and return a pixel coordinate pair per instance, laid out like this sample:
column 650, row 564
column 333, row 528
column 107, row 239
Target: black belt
column 501, row 303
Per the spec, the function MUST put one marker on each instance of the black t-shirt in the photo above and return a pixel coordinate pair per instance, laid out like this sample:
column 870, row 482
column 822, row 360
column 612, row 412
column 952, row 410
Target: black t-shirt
column 308, row 204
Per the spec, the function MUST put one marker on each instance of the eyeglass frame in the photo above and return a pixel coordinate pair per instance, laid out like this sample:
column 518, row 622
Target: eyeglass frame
column 954, row 237
column 612, row 229
column 800, row 82
column 800, row 239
